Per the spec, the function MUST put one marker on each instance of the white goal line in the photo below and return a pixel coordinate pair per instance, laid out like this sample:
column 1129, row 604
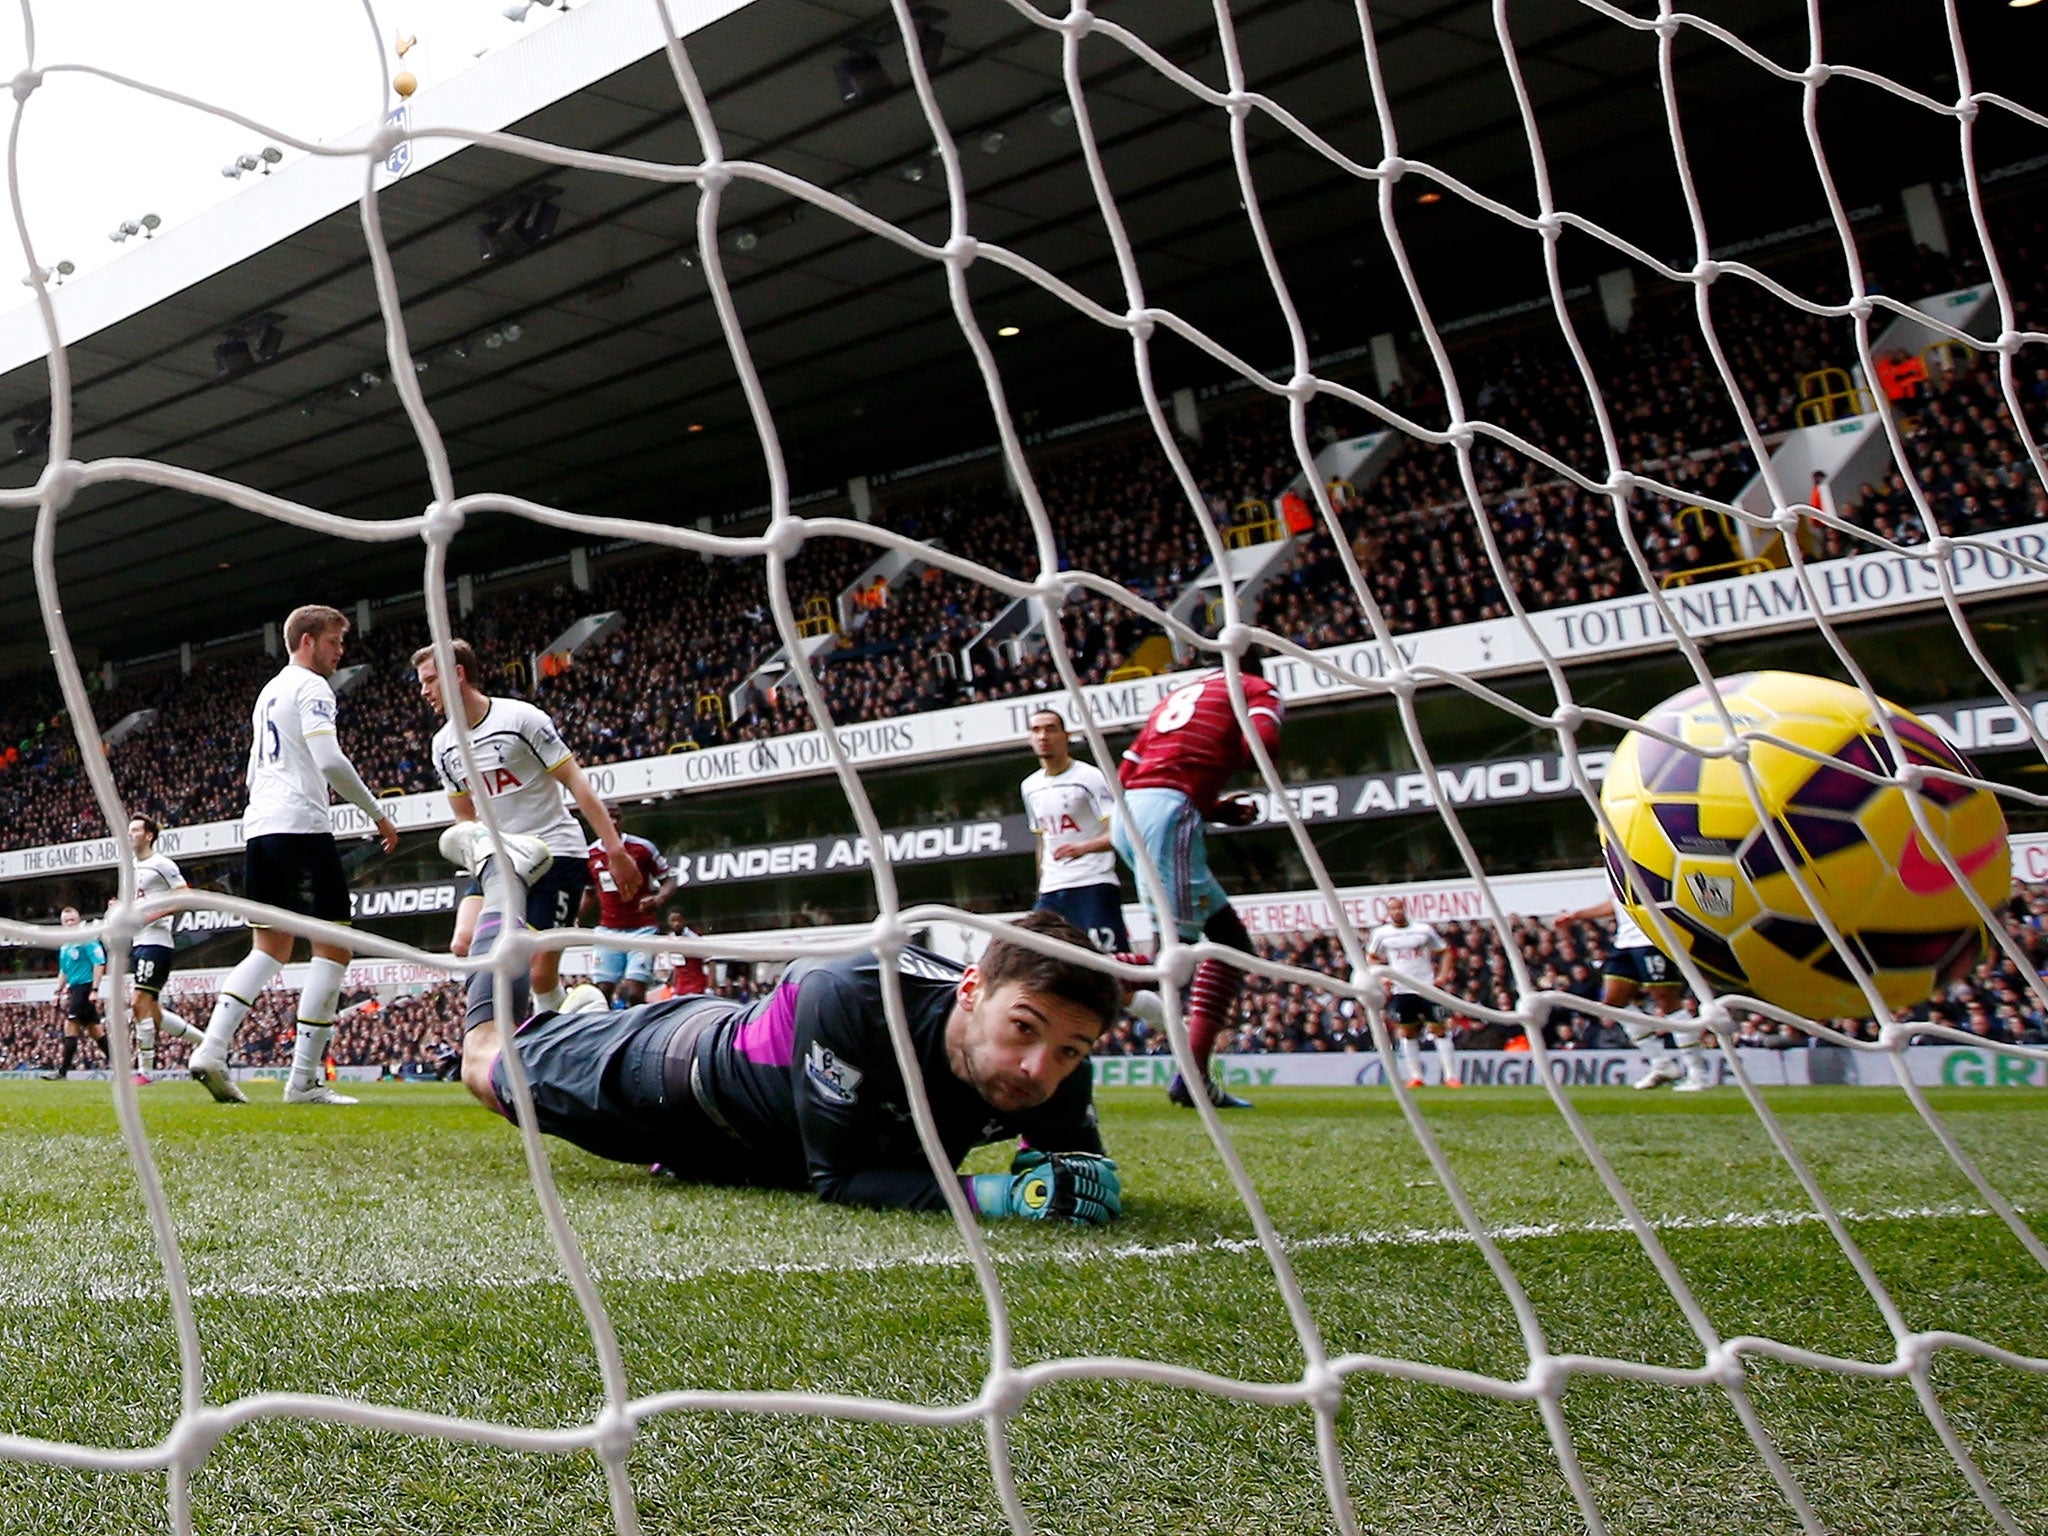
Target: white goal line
column 1071, row 1255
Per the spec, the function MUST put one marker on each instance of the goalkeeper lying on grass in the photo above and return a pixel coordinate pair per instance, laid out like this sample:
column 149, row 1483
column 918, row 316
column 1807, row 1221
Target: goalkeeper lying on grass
column 801, row 1089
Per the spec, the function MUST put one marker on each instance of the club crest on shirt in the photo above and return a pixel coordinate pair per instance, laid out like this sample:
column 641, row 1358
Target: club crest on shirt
column 837, row 1081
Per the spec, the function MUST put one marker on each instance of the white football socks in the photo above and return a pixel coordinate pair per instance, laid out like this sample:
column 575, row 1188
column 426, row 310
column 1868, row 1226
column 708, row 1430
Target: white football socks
column 1645, row 1039
column 177, row 1026
column 551, row 1000
column 1446, row 1055
column 1691, row 1051
column 316, row 1021
column 238, row 995
column 1411, row 1057
column 145, row 1045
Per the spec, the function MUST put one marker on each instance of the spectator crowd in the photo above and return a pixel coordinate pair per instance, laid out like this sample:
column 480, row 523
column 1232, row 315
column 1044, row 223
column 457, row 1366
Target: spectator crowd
column 1995, row 1001
column 692, row 664
column 417, row 1033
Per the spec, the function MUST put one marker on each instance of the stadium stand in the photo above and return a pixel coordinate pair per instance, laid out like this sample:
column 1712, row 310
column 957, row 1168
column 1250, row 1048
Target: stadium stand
column 672, row 676
column 416, row 1035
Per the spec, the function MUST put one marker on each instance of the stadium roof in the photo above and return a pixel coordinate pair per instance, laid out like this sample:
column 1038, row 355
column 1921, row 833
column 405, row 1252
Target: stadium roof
column 618, row 360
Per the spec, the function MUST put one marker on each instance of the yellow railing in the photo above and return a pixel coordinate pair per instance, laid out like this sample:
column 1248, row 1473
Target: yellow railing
column 1252, row 523
column 1827, row 394
column 1754, row 567
column 1703, row 529
column 1128, row 673
column 1948, row 354
column 684, row 746
column 817, row 619
column 711, row 706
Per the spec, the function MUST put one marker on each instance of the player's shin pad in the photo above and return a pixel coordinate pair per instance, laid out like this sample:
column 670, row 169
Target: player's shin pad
column 1080, row 1187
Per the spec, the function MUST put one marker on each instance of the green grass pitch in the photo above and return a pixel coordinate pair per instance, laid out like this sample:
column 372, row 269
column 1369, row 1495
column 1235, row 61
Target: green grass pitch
column 395, row 1253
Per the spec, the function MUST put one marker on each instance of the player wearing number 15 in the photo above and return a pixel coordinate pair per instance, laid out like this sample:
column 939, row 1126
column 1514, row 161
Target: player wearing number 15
column 1173, row 777
column 290, row 860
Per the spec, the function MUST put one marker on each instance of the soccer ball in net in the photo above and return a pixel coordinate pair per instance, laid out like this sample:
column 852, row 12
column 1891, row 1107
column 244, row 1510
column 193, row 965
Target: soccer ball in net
column 1686, row 826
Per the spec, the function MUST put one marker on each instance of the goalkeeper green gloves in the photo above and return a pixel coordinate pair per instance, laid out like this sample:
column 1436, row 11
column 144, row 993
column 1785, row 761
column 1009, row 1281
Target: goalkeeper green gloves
column 1051, row 1186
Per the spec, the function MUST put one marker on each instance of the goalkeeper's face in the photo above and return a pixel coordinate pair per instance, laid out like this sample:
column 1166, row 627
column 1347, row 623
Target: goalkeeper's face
column 1014, row 1046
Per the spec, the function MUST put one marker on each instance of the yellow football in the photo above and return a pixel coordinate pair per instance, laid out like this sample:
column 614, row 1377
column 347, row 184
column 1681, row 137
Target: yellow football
column 1702, row 852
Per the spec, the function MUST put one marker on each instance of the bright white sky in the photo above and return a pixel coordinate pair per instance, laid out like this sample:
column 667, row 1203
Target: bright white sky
column 94, row 153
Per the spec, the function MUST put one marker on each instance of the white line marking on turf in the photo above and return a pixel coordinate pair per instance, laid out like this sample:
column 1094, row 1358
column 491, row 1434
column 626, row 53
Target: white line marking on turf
column 16, row 1294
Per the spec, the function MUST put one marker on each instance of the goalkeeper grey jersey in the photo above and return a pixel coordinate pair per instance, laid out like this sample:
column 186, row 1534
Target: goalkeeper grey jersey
column 807, row 1079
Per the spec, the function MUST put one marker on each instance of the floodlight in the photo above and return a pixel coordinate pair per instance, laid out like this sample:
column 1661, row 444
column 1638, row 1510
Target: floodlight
column 537, row 217
column 860, row 77
column 745, row 240
column 32, row 432
column 490, row 237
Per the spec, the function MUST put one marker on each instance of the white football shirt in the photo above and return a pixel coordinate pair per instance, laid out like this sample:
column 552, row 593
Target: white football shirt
column 517, row 747
column 1628, row 933
column 1406, row 951
column 157, row 875
column 1072, row 806
column 287, row 790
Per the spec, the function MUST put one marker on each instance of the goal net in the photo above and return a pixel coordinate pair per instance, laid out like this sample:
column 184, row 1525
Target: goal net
column 1493, row 514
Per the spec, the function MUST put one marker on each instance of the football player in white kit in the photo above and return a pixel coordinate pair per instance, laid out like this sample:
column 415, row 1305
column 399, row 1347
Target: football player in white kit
column 1415, row 953
column 154, row 950
column 290, row 859
column 525, row 766
column 1634, row 964
column 1068, row 805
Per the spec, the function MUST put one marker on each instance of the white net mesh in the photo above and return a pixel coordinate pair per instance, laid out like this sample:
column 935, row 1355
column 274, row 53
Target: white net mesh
column 1721, row 1364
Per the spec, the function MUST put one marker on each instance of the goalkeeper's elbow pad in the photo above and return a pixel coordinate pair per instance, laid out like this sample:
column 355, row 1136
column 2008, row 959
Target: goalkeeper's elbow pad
column 1052, row 1186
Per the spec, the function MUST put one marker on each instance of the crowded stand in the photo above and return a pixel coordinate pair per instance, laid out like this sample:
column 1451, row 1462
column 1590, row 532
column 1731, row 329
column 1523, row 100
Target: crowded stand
column 1995, row 1001
column 674, row 674
column 417, row 1034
